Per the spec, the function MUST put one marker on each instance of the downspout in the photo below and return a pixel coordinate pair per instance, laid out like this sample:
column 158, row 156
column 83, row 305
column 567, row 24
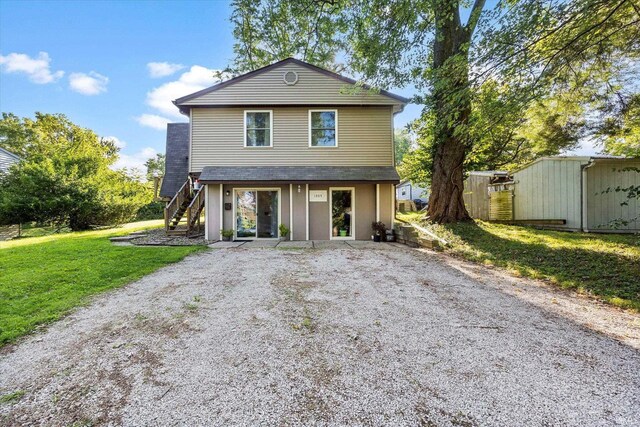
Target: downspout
column 584, row 226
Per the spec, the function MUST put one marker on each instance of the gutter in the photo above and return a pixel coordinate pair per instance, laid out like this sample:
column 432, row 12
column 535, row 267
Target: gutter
column 584, row 226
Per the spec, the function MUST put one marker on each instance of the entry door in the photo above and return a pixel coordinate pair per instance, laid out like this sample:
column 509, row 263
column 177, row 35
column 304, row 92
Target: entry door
column 256, row 213
column 342, row 211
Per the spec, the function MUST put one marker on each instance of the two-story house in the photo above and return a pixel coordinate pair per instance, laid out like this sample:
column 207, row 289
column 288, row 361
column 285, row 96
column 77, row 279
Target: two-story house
column 288, row 144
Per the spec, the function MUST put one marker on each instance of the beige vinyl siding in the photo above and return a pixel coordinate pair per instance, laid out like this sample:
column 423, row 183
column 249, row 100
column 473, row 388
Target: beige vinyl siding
column 603, row 208
column 549, row 189
column 364, row 134
column 312, row 88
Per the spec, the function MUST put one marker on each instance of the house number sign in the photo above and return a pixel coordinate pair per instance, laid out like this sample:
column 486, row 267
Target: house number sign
column 318, row 195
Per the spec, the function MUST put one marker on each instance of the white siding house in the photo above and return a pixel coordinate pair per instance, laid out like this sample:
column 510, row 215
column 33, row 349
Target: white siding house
column 7, row 158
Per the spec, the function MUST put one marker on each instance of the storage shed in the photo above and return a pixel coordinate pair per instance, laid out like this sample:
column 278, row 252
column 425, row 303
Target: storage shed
column 568, row 193
column 573, row 189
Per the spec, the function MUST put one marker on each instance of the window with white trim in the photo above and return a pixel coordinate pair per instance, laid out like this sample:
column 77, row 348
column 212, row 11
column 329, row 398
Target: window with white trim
column 323, row 128
column 258, row 128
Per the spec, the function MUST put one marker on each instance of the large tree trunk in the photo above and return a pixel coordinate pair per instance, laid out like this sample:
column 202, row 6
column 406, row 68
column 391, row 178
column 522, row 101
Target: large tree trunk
column 452, row 106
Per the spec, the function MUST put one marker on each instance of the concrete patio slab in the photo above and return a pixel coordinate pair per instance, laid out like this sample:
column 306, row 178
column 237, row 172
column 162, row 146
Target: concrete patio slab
column 330, row 244
column 223, row 245
column 261, row 244
column 367, row 244
column 299, row 244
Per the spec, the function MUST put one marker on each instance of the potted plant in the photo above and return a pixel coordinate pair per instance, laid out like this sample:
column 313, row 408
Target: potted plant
column 284, row 231
column 343, row 232
column 379, row 231
column 226, row 235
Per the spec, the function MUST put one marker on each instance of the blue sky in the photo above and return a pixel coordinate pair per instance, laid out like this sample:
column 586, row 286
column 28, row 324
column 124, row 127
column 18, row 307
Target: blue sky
column 90, row 60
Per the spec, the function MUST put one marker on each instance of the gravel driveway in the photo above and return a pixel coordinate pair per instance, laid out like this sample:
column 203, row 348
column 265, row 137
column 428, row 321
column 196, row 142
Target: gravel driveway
column 329, row 337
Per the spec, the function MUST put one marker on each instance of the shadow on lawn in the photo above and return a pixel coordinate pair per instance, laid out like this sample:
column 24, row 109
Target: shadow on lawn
column 614, row 277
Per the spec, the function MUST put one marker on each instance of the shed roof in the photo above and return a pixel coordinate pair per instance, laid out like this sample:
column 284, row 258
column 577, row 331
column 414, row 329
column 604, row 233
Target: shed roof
column 176, row 166
column 287, row 174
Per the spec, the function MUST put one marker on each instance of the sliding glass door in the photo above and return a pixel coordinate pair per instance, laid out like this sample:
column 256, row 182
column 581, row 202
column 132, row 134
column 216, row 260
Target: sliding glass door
column 256, row 213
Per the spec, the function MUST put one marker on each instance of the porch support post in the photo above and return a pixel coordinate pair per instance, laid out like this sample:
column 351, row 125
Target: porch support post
column 206, row 214
column 291, row 211
column 377, row 202
column 307, row 198
column 221, row 212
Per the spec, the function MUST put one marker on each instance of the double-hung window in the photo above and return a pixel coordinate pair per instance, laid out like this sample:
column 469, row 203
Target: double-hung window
column 323, row 128
column 258, row 128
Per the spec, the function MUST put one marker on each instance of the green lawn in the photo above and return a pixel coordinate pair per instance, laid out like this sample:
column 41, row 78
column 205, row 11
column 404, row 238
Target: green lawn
column 43, row 278
column 605, row 266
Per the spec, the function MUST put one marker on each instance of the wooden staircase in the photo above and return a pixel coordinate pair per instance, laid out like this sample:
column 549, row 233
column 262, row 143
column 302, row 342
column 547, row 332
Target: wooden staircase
column 182, row 214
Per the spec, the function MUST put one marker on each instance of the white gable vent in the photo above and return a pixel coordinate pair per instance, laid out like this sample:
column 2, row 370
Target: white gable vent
column 290, row 78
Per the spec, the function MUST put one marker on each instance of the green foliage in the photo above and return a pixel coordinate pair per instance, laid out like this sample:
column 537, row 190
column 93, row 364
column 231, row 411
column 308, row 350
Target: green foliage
column 605, row 266
column 402, row 144
column 155, row 166
column 12, row 397
column 226, row 233
column 71, row 268
column 65, row 176
column 284, row 230
column 271, row 30
column 153, row 210
column 620, row 130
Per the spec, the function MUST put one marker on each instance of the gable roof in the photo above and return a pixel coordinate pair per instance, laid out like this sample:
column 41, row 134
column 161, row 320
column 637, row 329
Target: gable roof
column 176, row 163
column 185, row 100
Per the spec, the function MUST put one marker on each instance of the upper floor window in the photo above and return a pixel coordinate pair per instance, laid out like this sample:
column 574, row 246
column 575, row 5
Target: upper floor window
column 258, row 128
column 323, row 128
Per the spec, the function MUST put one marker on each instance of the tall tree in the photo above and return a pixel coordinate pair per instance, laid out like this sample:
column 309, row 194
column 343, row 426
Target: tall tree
column 446, row 49
column 402, row 144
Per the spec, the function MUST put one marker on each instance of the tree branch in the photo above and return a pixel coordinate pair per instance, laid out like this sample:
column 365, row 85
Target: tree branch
column 476, row 11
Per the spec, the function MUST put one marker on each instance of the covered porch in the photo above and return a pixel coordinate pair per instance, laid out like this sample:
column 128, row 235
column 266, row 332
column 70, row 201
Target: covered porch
column 310, row 203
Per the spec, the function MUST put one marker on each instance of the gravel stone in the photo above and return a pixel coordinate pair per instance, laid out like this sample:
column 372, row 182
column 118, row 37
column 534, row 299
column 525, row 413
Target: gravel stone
column 345, row 336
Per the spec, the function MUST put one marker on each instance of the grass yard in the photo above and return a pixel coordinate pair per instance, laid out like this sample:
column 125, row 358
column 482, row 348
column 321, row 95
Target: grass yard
column 43, row 278
column 603, row 265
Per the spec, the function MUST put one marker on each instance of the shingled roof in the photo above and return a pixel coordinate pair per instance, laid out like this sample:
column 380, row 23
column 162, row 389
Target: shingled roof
column 176, row 168
column 287, row 174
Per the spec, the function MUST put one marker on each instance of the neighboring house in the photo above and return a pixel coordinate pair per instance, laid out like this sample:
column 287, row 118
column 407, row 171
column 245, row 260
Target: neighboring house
column 7, row 159
column 570, row 193
column 408, row 191
column 288, row 144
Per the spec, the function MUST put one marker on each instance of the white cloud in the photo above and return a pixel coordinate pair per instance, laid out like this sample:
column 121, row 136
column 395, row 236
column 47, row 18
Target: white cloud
column 117, row 141
column 153, row 121
column 136, row 160
column 195, row 79
column 38, row 69
column 163, row 69
column 88, row 84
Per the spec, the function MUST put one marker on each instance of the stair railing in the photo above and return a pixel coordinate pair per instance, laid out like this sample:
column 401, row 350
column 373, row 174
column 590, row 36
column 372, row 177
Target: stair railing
column 194, row 210
column 172, row 207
